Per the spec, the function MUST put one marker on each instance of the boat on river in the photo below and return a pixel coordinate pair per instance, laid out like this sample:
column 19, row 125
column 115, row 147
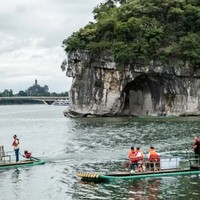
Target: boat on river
column 61, row 102
column 7, row 162
column 171, row 166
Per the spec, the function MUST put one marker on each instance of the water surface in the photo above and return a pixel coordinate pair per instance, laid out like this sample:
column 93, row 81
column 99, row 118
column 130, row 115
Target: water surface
column 90, row 144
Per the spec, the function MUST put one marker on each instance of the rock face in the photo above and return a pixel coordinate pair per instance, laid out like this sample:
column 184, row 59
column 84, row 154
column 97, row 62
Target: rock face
column 100, row 89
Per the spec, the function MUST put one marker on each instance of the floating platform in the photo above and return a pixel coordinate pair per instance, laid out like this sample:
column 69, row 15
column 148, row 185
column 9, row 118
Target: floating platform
column 23, row 163
column 172, row 166
column 130, row 176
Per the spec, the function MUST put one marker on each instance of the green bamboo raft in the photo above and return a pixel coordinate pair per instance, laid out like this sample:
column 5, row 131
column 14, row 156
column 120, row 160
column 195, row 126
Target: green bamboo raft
column 183, row 167
column 24, row 163
column 128, row 176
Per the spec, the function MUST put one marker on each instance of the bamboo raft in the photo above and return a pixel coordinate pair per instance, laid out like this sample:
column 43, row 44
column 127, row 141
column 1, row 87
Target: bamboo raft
column 6, row 161
column 183, row 166
column 23, row 163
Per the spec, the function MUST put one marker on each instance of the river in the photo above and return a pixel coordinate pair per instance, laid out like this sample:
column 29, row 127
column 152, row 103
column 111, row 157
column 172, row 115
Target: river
column 91, row 144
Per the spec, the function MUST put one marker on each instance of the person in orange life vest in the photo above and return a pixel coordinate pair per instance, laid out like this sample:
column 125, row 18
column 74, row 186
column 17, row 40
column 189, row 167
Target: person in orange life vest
column 135, row 156
column 130, row 155
column 15, row 144
column 131, row 152
column 27, row 154
column 139, row 155
column 140, row 160
column 153, row 157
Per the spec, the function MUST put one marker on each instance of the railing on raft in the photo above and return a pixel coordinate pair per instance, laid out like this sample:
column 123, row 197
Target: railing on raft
column 5, row 156
column 180, row 160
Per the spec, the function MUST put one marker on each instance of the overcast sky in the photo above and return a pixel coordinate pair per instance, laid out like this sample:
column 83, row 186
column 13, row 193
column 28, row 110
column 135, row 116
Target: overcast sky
column 31, row 35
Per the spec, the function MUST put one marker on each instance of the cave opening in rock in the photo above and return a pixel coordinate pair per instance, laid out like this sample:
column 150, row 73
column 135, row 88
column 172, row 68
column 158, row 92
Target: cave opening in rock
column 144, row 95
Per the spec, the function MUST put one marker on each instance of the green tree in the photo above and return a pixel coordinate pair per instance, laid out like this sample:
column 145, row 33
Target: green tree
column 7, row 93
column 22, row 93
column 142, row 30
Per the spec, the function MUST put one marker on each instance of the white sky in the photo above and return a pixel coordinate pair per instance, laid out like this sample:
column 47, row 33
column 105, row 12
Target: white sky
column 31, row 35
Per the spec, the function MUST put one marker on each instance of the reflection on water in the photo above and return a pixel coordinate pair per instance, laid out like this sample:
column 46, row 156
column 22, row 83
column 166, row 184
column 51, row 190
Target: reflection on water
column 90, row 144
column 143, row 189
column 15, row 175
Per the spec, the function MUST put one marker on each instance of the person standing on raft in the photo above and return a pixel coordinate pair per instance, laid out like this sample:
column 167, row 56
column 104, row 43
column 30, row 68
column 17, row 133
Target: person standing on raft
column 15, row 144
column 196, row 148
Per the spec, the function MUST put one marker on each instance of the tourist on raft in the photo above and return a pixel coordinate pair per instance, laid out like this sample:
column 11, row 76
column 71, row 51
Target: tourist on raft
column 131, row 152
column 153, row 156
column 196, row 148
column 15, row 144
column 27, row 154
column 136, row 158
column 140, row 160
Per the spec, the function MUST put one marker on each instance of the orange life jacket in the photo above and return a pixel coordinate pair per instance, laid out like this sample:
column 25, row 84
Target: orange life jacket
column 140, row 156
column 15, row 142
column 133, row 158
column 153, row 157
column 136, row 157
column 130, row 153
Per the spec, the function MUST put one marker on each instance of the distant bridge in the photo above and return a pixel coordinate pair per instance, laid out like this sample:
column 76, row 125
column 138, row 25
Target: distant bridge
column 46, row 100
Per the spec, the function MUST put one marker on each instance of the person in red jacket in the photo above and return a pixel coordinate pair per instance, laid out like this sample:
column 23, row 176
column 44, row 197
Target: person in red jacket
column 196, row 148
column 27, row 154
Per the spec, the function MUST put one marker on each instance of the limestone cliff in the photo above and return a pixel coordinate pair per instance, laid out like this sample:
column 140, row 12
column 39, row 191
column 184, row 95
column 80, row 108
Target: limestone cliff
column 99, row 89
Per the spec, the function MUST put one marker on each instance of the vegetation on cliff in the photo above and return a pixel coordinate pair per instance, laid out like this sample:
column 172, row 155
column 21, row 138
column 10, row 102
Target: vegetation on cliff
column 138, row 31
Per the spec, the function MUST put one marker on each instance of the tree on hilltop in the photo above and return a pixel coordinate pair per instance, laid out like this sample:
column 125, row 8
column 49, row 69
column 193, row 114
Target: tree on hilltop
column 138, row 31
